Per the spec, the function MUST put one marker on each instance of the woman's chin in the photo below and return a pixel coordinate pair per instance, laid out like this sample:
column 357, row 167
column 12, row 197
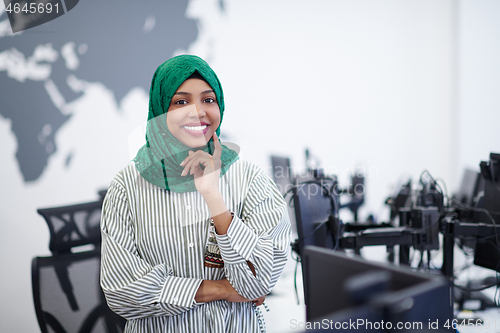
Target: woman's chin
column 196, row 143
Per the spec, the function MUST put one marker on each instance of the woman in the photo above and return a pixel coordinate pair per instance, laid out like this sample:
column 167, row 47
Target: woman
column 193, row 238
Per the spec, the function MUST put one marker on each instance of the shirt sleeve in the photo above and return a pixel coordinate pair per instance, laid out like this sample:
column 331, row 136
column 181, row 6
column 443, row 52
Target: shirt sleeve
column 133, row 288
column 260, row 235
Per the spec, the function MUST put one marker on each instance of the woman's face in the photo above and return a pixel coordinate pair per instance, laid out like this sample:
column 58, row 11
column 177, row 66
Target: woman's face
column 193, row 114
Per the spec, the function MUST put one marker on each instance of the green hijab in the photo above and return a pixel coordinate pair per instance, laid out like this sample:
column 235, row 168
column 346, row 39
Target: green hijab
column 158, row 161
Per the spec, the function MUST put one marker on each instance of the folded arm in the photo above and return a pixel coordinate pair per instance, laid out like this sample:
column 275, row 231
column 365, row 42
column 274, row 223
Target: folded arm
column 255, row 246
column 134, row 288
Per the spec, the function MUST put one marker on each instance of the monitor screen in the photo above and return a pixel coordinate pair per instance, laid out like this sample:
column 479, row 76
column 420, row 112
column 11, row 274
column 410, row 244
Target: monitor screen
column 283, row 177
column 313, row 207
column 490, row 198
column 388, row 293
column 487, row 249
column 468, row 187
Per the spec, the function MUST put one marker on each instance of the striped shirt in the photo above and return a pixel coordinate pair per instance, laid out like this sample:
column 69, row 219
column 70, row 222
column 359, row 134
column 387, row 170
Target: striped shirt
column 154, row 243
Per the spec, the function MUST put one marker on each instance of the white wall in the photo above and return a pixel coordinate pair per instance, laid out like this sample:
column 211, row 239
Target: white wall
column 479, row 82
column 359, row 83
column 370, row 83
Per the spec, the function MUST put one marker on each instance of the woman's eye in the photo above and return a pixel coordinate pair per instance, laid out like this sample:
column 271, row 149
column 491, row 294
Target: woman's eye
column 181, row 102
column 209, row 100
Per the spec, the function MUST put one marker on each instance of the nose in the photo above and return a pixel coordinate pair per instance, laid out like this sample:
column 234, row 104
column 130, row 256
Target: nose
column 200, row 111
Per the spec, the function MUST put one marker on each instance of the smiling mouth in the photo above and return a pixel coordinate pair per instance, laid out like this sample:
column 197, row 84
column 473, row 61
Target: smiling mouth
column 195, row 128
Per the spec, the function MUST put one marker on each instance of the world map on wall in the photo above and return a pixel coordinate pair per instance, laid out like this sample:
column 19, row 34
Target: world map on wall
column 41, row 68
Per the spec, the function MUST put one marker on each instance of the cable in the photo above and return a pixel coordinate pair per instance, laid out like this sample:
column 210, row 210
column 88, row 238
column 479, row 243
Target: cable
column 465, row 205
column 290, row 202
column 420, row 264
column 445, row 190
column 429, row 260
column 474, row 209
column 295, row 281
column 432, row 178
column 312, row 232
column 337, row 240
column 431, row 265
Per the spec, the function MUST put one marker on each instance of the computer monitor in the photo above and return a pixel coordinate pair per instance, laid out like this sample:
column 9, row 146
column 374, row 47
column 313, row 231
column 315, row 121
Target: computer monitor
column 468, row 187
column 284, row 179
column 466, row 198
column 340, row 289
column 282, row 173
column 313, row 208
column 490, row 201
column 487, row 250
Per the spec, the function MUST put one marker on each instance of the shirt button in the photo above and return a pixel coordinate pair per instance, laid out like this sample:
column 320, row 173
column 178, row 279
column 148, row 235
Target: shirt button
column 175, row 299
column 191, row 244
column 237, row 247
column 188, row 207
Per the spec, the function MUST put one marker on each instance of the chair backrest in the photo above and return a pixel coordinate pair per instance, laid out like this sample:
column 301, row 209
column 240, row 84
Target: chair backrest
column 72, row 226
column 68, row 297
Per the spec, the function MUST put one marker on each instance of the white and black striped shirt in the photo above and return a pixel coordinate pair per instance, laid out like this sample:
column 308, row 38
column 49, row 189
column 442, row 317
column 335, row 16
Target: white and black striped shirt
column 153, row 251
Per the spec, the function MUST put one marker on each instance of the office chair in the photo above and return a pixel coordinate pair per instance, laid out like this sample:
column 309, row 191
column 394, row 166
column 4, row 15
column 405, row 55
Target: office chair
column 68, row 297
column 72, row 226
column 66, row 290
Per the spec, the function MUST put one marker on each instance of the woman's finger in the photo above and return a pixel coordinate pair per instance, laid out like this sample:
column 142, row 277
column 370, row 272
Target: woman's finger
column 199, row 153
column 192, row 155
column 192, row 162
column 197, row 173
column 259, row 301
column 217, row 146
column 189, row 162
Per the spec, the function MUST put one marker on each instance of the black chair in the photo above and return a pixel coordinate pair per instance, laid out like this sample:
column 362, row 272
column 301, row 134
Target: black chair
column 66, row 290
column 68, row 297
column 73, row 226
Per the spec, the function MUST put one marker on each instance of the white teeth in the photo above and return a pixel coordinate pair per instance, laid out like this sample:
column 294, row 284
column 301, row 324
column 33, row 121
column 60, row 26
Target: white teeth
column 195, row 128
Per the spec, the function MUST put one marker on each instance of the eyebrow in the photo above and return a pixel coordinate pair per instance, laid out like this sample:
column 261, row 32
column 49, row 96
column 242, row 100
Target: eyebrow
column 186, row 93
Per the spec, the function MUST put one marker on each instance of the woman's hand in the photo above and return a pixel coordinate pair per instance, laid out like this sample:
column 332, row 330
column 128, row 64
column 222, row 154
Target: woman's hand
column 207, row 183
column 233, row 296
column 214, row 290
column 206, row 180
column 259, row 301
